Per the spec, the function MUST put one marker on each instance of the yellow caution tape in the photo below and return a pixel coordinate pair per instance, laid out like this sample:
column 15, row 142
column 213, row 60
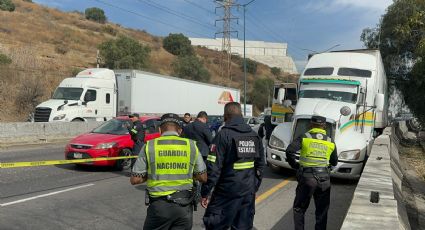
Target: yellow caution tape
column 58, row 162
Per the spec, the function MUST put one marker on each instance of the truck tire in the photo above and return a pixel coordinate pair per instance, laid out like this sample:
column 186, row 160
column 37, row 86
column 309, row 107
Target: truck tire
column 77, row 120
column 124, row 164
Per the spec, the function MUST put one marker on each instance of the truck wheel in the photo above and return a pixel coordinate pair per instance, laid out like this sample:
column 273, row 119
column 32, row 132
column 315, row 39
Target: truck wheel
column 124, row 164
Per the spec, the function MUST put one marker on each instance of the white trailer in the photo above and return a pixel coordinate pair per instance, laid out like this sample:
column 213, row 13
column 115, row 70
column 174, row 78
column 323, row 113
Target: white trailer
column 148, row 93
column 349, row 88
column 101, row 94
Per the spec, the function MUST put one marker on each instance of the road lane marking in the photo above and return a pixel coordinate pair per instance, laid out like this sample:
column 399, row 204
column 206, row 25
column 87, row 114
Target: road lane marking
column 274, row 189
column 44, row 195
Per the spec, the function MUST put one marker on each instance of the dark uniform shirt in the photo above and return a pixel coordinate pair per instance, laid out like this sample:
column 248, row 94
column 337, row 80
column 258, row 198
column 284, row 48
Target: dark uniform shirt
column 139, row 134
column 223, row 159
column 296, row 145
column 266, row 128
column 200, row 133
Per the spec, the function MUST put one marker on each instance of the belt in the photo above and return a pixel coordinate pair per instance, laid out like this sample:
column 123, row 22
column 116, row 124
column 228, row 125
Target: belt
column 315, row 170
column 179, row 197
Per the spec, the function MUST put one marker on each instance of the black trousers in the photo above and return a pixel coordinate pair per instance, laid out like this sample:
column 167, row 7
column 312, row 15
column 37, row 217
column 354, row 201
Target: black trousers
column 162, row 214
column 317, row 185
column 137, row 147
column 224, row 212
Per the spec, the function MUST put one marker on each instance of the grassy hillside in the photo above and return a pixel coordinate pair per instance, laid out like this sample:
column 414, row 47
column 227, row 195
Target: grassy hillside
column 47, row 45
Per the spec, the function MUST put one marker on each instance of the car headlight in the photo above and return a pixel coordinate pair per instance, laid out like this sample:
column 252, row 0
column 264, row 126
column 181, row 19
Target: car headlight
column 276, row 142
column 106, row 145
column 59, row 117
column 350, row 155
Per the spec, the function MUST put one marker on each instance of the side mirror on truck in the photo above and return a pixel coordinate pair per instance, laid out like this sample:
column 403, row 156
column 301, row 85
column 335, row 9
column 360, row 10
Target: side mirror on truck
column 345, row 111
column 379, row 102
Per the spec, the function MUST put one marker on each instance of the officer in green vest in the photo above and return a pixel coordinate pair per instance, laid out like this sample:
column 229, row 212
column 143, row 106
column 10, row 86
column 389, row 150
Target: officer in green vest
column 318, row 152
column 169, row 164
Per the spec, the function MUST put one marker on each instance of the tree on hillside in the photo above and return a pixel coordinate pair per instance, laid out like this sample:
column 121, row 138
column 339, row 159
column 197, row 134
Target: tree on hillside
column 124, row 53
column 190, row 67
column 7, row 5
column 95, row 14
column 178, row 44
column 275, row 71
column 263, row 87
column 251, row 66
column 401, row 38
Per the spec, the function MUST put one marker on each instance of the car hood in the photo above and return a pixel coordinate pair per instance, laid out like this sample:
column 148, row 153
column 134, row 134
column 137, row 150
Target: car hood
column 97, row 138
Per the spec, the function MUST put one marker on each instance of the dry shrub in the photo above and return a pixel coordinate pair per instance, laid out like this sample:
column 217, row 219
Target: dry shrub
column 61, row 49
column 29, row 96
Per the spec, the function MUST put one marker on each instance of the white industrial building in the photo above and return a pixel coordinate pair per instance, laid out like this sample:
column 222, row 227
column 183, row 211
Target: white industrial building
column 269, row 53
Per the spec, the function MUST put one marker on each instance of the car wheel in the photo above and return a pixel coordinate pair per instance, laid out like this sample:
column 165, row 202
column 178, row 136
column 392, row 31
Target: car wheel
column 124, row 164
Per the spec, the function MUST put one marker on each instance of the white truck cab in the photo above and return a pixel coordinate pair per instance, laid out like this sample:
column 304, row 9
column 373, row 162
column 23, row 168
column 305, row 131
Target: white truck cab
column 91, row 95
column 349, row 88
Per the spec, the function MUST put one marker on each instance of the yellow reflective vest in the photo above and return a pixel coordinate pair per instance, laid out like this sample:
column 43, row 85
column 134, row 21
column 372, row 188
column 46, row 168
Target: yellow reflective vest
column 170, row 162
column 316, row 149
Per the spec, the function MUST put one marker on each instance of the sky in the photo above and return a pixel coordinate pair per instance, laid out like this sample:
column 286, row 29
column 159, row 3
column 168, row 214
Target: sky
column 305, row 25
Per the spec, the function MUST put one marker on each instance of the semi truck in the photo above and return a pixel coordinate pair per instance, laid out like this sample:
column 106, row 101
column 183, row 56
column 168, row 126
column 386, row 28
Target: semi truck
column 284, row 102
column 349, row 88
column 99, row 94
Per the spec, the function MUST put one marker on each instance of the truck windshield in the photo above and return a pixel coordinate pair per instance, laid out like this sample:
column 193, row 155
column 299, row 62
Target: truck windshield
column 65, row 93
column 329, row 95
column 114, row 126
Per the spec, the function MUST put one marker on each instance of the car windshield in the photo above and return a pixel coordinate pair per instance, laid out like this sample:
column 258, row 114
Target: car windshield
column 65, row 93
column 114, row 126
column 330, row 95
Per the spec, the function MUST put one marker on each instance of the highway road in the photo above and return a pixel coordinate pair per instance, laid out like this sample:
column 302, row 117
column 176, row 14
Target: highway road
column 72, row 197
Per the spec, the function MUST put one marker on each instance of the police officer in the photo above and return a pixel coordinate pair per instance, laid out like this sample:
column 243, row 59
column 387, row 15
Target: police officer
column 318, row 151
column 235, row 165
column 200, row 132
column 137, row 132
column 168, row 164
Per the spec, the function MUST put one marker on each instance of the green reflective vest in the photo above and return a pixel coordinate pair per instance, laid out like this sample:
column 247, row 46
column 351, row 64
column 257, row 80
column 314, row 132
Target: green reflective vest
column 316, row 149
column 170, row 162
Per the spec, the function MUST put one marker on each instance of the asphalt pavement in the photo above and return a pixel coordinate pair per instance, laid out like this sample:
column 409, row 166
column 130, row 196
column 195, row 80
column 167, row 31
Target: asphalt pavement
column 76, row 197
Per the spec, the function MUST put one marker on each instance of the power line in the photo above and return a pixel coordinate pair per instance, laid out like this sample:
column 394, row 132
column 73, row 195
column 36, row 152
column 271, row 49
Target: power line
column 147, row 17
column 200, row 7
column 176, row 13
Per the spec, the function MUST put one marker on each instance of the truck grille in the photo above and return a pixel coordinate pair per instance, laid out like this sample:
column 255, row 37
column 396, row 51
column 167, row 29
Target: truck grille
column 42, row 114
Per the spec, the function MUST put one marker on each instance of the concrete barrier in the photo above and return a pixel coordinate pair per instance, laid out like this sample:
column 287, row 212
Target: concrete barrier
column 374, row 205
column 26, row 132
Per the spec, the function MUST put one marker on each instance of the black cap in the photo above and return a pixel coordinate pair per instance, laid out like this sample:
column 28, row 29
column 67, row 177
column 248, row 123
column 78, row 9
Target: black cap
column 170, row 117
column 133, row 115
column 318, row 120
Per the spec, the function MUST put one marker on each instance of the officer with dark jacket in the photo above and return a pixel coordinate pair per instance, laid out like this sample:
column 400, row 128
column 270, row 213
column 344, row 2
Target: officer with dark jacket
column 137, row 132
column 235, row 166
column 169, row 164
column 318, row 152
column 199, row 132
column 266, row 128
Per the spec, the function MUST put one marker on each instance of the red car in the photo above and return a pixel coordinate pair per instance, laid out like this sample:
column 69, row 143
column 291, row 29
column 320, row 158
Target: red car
column 111, row 139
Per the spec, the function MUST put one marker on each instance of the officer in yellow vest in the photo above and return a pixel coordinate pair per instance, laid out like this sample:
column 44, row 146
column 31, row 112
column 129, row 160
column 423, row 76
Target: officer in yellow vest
column 318, row 152
column 168, row 164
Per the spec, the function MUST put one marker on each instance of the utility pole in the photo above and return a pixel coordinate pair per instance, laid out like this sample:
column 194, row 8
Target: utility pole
column 226, row 46
column 244, row 57
column 98, row 59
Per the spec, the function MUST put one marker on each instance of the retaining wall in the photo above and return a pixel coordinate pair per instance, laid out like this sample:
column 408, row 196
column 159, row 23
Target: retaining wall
column 27, row 132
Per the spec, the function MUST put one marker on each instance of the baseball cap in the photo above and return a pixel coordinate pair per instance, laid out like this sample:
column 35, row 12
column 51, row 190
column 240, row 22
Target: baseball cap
column 318, row 119
column 170, row 117
column 133, row 115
